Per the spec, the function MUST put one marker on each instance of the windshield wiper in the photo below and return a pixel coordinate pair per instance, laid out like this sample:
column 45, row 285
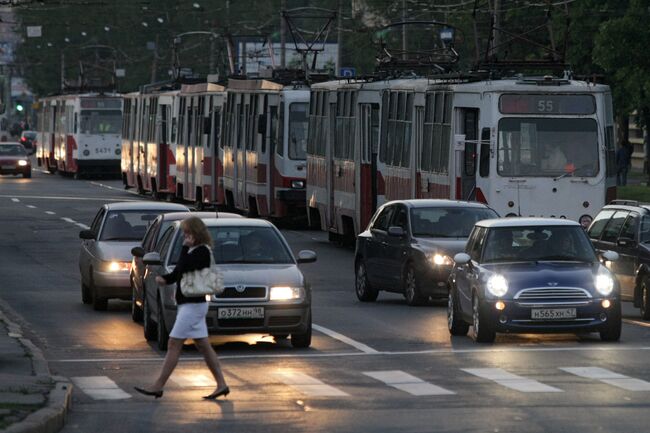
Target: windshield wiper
column 119, row 239
column 561, row 258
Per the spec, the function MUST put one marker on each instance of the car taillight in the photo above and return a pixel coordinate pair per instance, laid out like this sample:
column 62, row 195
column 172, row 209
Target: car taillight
column 23, row 139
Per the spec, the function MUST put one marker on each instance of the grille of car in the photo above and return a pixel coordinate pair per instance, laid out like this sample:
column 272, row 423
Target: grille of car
column 240, row 323
column 553, row 293
column 248, row 292
column 284, row 320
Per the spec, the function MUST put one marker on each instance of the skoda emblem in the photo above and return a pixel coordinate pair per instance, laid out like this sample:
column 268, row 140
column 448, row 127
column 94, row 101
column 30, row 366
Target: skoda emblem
column 240, row 288
column 552, row 284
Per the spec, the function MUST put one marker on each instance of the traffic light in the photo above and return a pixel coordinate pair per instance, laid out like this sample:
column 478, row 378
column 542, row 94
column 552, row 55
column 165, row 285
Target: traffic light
column 19, row 107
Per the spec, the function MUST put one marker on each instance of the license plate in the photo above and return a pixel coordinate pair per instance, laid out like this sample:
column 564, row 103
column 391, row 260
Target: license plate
column 241, row 313
column 553, row 313
column 7, row 167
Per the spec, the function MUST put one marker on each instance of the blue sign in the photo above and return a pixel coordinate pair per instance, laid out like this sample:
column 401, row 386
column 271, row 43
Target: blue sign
column 347, row 72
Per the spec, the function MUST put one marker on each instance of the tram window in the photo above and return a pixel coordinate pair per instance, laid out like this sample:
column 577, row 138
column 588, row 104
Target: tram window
column 279, row 148
column 438, row 107
column 216, row 131
column 100, row 121
column 298, row 130
column 76, row 123
column 484, row 164
column 383, row 146
column 274, row 126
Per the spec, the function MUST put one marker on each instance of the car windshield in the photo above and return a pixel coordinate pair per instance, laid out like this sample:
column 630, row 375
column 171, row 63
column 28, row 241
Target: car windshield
column 127, row 225
column 547, row 147
column 12, row 150
column 439, row 222
column 645, row 229
column 538, row 243
column 243, row 245
column 298, row 130
column 30, row 135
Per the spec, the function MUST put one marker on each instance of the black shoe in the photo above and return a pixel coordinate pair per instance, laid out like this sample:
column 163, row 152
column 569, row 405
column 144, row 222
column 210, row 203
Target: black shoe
column 217, row 393
column 156, row 394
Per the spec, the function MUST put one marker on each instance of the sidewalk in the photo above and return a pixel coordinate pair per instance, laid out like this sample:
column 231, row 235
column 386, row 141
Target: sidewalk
column 31, row 400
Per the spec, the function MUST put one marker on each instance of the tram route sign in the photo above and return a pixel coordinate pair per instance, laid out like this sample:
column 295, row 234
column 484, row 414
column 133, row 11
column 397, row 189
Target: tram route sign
column 530, row 103
column 347, row 72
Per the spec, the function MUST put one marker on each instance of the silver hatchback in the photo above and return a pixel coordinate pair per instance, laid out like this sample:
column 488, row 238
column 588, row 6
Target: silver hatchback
column 265, row 291
column 105, row 256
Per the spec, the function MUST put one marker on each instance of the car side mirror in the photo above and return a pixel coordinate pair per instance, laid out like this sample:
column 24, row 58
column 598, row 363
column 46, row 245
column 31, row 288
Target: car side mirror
column 137, row 251
column 87, row 234
column 610, row 256
column 462, row 258
column 306, row 256
column 626, row 242
column 396, row 231
column 152, row 258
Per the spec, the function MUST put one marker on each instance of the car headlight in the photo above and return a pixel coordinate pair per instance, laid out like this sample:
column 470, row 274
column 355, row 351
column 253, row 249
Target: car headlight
column 22, row 162
column 285, row 293
column 497, row 285
column 297, row 184
column 116, row 266
column 441, row 260
column 604, row 283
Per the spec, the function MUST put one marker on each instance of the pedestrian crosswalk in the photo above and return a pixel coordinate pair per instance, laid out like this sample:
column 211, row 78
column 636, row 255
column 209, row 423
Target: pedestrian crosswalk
column 300, row 383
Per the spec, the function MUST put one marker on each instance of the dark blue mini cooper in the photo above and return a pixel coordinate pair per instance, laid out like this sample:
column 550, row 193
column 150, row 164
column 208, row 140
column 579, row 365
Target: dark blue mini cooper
column 532, row 275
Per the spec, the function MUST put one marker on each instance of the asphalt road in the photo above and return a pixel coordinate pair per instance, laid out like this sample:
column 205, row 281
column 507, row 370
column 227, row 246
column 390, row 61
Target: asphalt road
column 380, row 367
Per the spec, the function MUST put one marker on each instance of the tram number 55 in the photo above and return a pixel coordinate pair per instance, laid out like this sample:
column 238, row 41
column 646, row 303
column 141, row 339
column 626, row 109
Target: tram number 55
column 545, row 106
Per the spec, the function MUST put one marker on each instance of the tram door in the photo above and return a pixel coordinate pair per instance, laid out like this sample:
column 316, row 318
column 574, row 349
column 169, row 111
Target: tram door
column 468, row 124
column 366, row 177
column 417, row 150
column 331, row 175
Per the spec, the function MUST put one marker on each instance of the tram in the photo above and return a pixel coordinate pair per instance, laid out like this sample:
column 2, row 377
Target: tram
column 529, row 146
column 80, row 134
column 263, row 147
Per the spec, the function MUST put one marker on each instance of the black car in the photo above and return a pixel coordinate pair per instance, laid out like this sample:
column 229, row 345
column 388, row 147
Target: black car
column 532, row 275
column 409, row 244
column 624, row 226
column 28, row 140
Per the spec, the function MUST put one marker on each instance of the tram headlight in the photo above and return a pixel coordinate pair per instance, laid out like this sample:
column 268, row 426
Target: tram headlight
column 297, row 184
column 585, row 221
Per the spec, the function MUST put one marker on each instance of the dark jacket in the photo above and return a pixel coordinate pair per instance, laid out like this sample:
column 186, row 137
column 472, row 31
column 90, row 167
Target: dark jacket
column 623, row 157
column 199, row 258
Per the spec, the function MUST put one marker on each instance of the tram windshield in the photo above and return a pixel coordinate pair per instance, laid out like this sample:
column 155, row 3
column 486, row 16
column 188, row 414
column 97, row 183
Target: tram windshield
column 547, row 147
column 298, row 122
column 101, row 122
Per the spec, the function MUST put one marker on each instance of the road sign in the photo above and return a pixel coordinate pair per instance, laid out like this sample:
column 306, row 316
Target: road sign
column 347, row 72
column 33, row 31
column 120, row 72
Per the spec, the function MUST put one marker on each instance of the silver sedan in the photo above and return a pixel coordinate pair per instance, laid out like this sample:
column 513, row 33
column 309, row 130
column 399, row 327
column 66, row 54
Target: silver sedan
column 105, row 256
column 265, row 291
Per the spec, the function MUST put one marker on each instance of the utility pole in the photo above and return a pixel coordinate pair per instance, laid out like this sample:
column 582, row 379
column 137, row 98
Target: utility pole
column 283, row 35
column 62, row 70
column 404, row 30
column 154, row 63
column 496, row 36
column 339, row 36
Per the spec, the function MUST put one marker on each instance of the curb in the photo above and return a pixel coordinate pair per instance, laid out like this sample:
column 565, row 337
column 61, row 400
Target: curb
column 51, row 418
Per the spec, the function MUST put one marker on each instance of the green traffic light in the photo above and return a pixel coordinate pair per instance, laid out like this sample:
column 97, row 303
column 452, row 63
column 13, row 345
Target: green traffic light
column 19, row 107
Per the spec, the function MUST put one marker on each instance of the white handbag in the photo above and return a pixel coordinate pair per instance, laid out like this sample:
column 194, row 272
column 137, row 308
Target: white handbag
column 206, row 281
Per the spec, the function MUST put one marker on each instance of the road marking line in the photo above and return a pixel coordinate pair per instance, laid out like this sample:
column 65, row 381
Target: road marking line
column 442, row 352
column 637, row 322
column 308, row 385
column 52, row 197
column 609, row 377
column 83, row 226
column 113, row 188
column 69, row 220
column 342, row 338
column 407, row 383
column 31, row 206
column 100, row 388
column 509, row 380
column 193, row 380
column 15, row 200
column 49, row 212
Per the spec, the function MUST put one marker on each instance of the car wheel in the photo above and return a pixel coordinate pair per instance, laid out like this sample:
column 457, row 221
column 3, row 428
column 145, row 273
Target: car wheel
column 612, row 331
column 136, row 310
column 483, row 331
column 411, row 290
column 99, row 303
column 163, row 334
column 86, row 297
column 456, row 325
column 150, row 333
column 303, row 339
column 645, row 299
column 365, row 292
column 27, row 175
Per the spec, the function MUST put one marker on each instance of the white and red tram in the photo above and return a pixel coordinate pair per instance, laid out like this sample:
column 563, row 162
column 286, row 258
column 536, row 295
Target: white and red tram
column 493, row 141
column 81, row 134
column 263, row 148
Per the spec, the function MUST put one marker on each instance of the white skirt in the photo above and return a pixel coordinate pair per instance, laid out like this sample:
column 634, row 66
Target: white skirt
column 190, row 321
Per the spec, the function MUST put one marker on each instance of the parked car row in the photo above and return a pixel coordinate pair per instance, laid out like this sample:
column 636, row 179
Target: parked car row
column 129, row 244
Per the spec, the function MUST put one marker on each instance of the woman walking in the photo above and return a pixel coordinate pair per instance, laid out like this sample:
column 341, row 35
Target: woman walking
column 190, row 316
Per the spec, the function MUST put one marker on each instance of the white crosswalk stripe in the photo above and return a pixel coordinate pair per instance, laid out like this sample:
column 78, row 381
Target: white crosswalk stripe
column 100, row 388
column 509, row 380
column 308, row 385
column 609, row 377
column 407, row 383
column 193, row 380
